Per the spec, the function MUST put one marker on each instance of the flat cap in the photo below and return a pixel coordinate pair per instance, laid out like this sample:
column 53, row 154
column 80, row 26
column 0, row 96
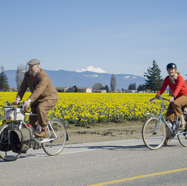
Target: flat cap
column 33, row 62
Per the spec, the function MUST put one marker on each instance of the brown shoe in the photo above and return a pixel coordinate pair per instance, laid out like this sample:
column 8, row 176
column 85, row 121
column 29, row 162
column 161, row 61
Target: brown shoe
column 40, row 134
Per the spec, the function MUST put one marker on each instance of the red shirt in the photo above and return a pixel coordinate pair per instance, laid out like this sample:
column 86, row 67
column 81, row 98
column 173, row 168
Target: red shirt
column 178, row 88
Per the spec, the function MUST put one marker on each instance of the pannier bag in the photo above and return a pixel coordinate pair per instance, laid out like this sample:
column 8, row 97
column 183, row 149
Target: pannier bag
column 4, row 146
column 21, row 140
column 12, row 113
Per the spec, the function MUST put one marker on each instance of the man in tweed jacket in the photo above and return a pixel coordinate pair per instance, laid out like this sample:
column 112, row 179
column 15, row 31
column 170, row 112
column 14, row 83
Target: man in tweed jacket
column 43, row 95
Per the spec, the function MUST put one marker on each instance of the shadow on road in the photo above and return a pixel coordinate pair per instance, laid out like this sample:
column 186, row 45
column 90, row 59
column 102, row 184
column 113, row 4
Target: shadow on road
column 111, row 147
column 116, row 147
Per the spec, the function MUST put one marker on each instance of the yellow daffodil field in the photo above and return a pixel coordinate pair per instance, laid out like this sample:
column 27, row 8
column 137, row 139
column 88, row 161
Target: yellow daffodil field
column 86, row 108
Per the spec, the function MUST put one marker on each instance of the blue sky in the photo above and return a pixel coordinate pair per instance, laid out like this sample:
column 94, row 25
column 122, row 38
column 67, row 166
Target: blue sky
column 118, row 36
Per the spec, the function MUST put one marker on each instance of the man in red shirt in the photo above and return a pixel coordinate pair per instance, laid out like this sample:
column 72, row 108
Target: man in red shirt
column 179, row 95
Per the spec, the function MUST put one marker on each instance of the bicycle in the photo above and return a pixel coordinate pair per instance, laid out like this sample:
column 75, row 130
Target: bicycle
column 154, row 129
column 53, row 144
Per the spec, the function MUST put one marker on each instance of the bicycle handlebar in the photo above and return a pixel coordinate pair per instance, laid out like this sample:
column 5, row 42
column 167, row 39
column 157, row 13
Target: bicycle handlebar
column 166, row 99
column 10, row 104
column 161, row 98
column 27, row 111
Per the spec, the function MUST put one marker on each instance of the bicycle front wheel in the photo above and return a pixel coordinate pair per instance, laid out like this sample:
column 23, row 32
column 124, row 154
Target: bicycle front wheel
column 183, row 139
column 56, row 137
column 5, row 148
column 153, row 133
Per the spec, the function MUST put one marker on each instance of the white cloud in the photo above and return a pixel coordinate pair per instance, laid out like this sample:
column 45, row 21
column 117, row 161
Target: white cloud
column 91, row 69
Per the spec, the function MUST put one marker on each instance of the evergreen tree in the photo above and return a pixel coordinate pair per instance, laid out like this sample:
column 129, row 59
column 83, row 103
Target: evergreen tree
column 141, row 88
column 113, row 83
column 132, row 86
column 107, row 88
column 75, row 88
column 153, row 79
column 3, row 80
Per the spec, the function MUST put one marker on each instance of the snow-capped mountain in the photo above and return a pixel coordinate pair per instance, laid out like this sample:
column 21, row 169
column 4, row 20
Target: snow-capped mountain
column 85, row 78
column 91, row 69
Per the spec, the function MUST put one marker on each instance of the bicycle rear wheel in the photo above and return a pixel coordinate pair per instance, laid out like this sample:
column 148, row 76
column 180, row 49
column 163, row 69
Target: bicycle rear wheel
column 153, row 133
column 183, row 139
column 56, row 137
column 5, row 148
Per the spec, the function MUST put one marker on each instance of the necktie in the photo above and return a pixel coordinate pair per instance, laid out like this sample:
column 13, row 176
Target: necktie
column 32, row 76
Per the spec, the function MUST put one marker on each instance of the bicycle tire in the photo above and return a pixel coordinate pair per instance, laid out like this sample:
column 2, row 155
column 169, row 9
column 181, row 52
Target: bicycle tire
column 6, row 153
column 183, row 139
column 55, row 146
column 153, row 133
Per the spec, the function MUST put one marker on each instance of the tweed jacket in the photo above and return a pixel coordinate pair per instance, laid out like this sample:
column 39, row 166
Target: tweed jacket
column 40, row 86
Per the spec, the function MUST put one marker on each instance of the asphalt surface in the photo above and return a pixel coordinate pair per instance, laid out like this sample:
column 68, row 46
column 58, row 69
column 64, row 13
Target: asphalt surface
column 116, row 163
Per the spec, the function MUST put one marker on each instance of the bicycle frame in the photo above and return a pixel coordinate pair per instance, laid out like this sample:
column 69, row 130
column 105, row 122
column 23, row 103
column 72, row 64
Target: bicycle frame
column 22, row 123
column 47, row 128
column 160, row 116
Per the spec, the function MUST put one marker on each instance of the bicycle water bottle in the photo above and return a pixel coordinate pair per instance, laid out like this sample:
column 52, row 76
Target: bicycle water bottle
column 169, row 123
column 174, row 125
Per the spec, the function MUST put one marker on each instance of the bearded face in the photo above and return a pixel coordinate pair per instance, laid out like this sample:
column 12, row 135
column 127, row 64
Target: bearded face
column 33, row 69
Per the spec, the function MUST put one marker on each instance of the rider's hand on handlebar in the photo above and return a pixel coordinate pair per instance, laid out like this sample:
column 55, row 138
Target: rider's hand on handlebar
column 152, row 100
column 171, row 99
column 16, row 102
column 158, row 96
column 26, row 104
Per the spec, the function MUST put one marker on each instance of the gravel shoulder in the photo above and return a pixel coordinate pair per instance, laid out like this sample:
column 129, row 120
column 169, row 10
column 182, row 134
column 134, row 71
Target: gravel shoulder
column 104, row 132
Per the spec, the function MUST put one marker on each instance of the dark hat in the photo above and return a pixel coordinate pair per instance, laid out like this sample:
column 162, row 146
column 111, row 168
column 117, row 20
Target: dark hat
column 33, row 62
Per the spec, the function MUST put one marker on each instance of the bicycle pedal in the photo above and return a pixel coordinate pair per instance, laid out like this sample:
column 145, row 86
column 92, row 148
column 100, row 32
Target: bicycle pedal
column 36, row 147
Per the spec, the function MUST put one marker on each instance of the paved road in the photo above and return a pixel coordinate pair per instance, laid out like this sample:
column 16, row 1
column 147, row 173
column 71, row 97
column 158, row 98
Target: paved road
column 116, row 163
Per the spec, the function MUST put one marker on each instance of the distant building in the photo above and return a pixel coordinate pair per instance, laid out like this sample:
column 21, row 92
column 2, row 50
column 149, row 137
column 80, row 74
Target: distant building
column 70, row 89
column 62, row 89
column 131, row 91
column 100, row 91
column 142, row 91
column 85, row 89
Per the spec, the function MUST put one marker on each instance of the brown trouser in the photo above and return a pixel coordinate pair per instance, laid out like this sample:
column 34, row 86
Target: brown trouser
column 174, row 108
column 41, row 109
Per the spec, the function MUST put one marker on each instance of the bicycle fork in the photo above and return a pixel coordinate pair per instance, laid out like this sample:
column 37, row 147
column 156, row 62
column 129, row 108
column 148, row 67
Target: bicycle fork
column 156, row 129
